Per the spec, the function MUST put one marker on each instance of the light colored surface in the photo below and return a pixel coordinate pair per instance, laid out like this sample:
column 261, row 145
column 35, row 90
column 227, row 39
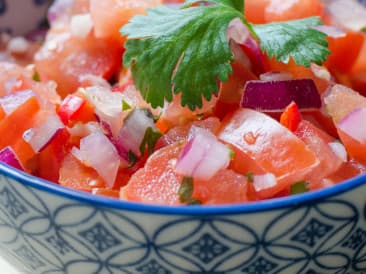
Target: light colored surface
column 6, row 268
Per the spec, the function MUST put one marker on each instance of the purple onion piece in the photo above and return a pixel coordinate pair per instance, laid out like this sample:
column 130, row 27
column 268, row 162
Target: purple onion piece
column 8, row 156
column 277, row 95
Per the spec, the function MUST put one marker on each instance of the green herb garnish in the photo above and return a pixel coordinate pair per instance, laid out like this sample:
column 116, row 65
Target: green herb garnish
column 185, row 192
column 36, row 77
column 125, row 105
column 299, row 187
column 186, row 51
column 250, row 177
column 132, row 159
column 151, row 136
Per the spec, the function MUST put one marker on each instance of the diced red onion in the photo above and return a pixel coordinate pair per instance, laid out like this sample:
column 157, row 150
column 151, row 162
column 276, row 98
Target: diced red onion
column 252, row 48
column 40, row 136
column 264, row 181
column 353, row 123
column 133, row 131
column 8, row 156
column 12, row 101
column 81, row 25
column 97, row 151
column 331, row 31
column 338, row 150
column 203, row 156
column 277, row 95
column 276, row 76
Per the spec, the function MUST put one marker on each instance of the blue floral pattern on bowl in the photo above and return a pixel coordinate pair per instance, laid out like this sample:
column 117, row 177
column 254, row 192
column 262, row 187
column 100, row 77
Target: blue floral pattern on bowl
column 49, row 233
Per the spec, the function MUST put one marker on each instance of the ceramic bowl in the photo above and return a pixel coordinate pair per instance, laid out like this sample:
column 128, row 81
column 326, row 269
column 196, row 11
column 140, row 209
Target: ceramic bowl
column 45, row 228
column 19, row 17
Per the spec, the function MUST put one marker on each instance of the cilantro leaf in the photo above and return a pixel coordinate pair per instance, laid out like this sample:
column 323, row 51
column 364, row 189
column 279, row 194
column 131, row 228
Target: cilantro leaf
column 295, row 39
column 183, row 50
column 299, row 187
column 185, row 192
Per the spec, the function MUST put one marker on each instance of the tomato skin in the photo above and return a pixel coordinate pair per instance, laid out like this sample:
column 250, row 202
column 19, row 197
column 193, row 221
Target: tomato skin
column 49, row 160
column 344, row 52
column 13, row 126
column 291, row 117
column 75, row 108
column 69, row 107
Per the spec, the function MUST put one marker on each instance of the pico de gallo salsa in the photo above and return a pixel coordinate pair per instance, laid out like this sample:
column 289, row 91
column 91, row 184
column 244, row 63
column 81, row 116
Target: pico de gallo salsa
column 214, row 103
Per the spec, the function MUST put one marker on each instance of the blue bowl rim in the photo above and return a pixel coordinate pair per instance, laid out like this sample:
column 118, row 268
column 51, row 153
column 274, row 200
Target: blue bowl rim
column 230, row 209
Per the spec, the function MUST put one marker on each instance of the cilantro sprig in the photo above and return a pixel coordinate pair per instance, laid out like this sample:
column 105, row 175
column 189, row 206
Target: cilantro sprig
column 186, row 50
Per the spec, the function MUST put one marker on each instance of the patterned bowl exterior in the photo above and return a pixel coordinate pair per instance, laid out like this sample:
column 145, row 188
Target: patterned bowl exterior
column 18, row 17
column 48, row 229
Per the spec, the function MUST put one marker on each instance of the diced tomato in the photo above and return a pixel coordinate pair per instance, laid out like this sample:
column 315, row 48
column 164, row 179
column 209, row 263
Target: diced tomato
column 75, row 175
column 65, row 59
column 157, row 182
column 13, row 126
column 111, row 193
column 347, row 171
column 180, row 133
column 110, row 15
column 344, row 52
column 339, row 102
column 231, row 91
column 283, row 10
column 255, row 10
column 75, row 109
column 50, row 159
column 2, row 113
column 317, row 140
column 291, row 117
column 225, row 187
column 262, row 145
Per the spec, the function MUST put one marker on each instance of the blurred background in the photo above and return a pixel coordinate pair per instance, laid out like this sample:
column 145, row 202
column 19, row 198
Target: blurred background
column 18, row 17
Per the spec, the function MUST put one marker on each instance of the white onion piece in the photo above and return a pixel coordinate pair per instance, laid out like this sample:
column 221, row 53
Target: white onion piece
column 264, row 181
column 81, row 25
column 349, row 14
column 12, row 101
column 18, row 45
column 353, row 123
column 108, row 106
column 237, row 31
column 203, row 156
column 331, row 31
column 97, row 151
column 338, row 150
column 40, row 136
column 93, row 80
column 321, row 72
column 276, row 76
column 8, row 156
column 59, row 11
column 133, row 131
column 82, row 130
